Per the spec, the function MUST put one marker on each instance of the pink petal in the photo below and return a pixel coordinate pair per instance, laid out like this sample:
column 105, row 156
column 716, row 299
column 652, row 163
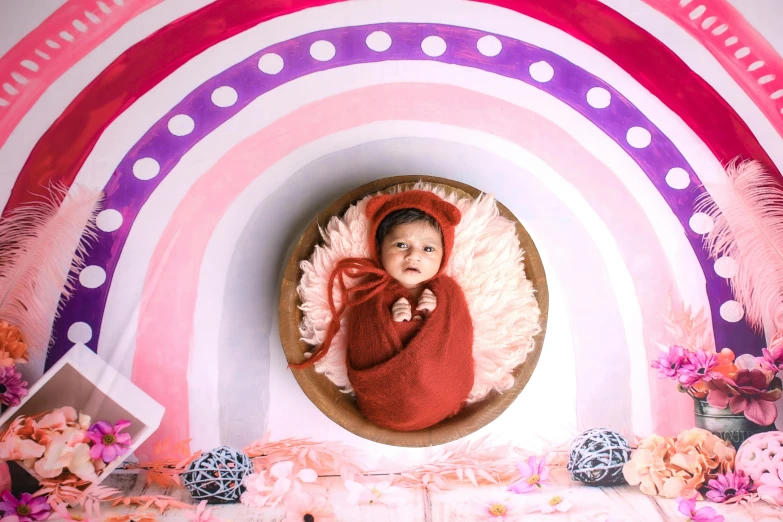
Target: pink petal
column 762, row 413
column 103, row 427
column 718, row 398
column 94, row 436
column 124, row 439
column 686, row 506
column 738, row 404
column 96, row 451
column 525, row 469
column 121, row 425
column 109, row 453
column 521, row 487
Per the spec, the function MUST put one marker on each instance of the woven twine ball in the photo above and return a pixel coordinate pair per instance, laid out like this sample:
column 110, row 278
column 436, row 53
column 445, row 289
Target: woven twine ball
column 761, row 453
column 597, row 457
column 216, row 476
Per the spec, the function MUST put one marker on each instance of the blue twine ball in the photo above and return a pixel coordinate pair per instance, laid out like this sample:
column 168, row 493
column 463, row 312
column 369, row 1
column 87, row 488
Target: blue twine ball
column 217, row 475
column 597, row 457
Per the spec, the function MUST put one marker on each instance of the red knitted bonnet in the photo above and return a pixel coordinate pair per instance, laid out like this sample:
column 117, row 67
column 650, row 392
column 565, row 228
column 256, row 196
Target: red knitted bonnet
column 447, row 215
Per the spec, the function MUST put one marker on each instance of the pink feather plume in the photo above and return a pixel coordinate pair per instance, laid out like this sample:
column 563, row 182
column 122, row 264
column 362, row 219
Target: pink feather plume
column 42, row 248
column 748, row 227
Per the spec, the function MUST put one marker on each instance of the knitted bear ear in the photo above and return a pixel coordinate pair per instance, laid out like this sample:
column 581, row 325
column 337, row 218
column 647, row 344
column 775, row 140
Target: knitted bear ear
column 450, row 212
column 375, row 204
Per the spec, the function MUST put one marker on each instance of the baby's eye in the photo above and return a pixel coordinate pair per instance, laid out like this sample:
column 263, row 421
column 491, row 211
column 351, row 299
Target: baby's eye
column 429, row 249
column 401, row 245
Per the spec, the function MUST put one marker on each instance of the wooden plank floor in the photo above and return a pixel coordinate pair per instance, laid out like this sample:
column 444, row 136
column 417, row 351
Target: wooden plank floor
column 624, row 503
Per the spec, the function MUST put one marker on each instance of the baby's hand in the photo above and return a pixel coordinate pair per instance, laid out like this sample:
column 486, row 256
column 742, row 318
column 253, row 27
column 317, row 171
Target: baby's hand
column 427, row 302
column 401, row 310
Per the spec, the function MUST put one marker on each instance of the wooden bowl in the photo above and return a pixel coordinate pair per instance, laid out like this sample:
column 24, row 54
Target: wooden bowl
column 341, row 407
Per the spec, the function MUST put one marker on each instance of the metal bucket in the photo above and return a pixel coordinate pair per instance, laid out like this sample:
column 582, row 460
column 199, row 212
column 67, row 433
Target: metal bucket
column 726, row 425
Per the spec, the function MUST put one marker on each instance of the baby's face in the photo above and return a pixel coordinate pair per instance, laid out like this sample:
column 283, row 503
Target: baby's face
column 411, row 253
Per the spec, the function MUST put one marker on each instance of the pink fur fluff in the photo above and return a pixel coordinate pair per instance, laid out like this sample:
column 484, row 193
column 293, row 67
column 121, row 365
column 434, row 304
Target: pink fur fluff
column 486, row 262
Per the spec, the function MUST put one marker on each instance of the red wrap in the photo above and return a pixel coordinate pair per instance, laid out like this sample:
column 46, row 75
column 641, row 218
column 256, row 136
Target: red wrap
column 410, row 375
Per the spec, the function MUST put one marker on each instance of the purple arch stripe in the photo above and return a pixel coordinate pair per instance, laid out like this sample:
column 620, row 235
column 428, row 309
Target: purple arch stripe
column 127, row 194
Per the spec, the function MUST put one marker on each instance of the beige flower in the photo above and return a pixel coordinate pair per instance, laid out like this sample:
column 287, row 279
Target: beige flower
column 678, row 467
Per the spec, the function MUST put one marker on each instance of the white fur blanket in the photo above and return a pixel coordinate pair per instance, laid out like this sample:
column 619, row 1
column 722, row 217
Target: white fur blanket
column 486, row 261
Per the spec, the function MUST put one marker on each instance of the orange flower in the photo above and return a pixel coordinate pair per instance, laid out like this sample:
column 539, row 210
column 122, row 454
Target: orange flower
column 13, row 349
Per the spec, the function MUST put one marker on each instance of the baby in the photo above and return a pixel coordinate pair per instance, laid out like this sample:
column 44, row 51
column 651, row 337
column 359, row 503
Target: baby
column 411, row 246
column 410, row 367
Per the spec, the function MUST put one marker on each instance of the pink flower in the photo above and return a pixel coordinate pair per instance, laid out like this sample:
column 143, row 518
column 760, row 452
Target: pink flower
column 24, row 509
column 773, row 356
column 301, row 506
column 497, row 510
column 687, row 506
column 257, row 492
column 698, row 368
column 108, row 442
column 534, row 474
column 556, row 503
column 12, row 387
column 751, row 392
column 770, row 487
column 728, row 485
column 203, row 514
column 668, row 364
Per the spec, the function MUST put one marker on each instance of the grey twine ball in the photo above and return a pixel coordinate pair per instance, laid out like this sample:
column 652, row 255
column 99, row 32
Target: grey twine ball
column 597, row 457
column 216, row 476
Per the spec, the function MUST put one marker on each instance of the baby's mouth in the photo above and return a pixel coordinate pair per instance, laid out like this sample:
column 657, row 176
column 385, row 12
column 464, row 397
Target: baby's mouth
column 412, row 269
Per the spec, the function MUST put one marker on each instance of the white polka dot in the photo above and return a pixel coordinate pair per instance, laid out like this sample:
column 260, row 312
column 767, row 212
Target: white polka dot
column 80, row 333
column 433, row 46
column 489, row 45
column 379, row 41
column 732, row 311
column 224, row 96
column 322, row 50
column 678, row 178
column 725, row 267
column 181, row 125
column 92, row 276
column 598, row 97
column 700, row 223
column 146, row 168
column 542, row 72
column 109, row 220
column 270, row 63
column 638, row 137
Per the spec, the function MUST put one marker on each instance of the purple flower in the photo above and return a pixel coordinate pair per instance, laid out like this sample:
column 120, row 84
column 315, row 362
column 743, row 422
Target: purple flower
column 698, row 368
column 687, row 506
column 728, row 485
column 108, row 442
column 25, row 508
column 668, row 364
column 533, row 475
column 12, row 387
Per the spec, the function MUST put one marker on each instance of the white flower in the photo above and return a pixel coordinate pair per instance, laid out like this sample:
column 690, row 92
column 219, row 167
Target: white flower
column 556, row 503
column 372, row 493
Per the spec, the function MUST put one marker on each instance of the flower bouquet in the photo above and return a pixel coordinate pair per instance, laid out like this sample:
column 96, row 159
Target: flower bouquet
column 734, row 396
column 61, row 445
column 746, row 384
